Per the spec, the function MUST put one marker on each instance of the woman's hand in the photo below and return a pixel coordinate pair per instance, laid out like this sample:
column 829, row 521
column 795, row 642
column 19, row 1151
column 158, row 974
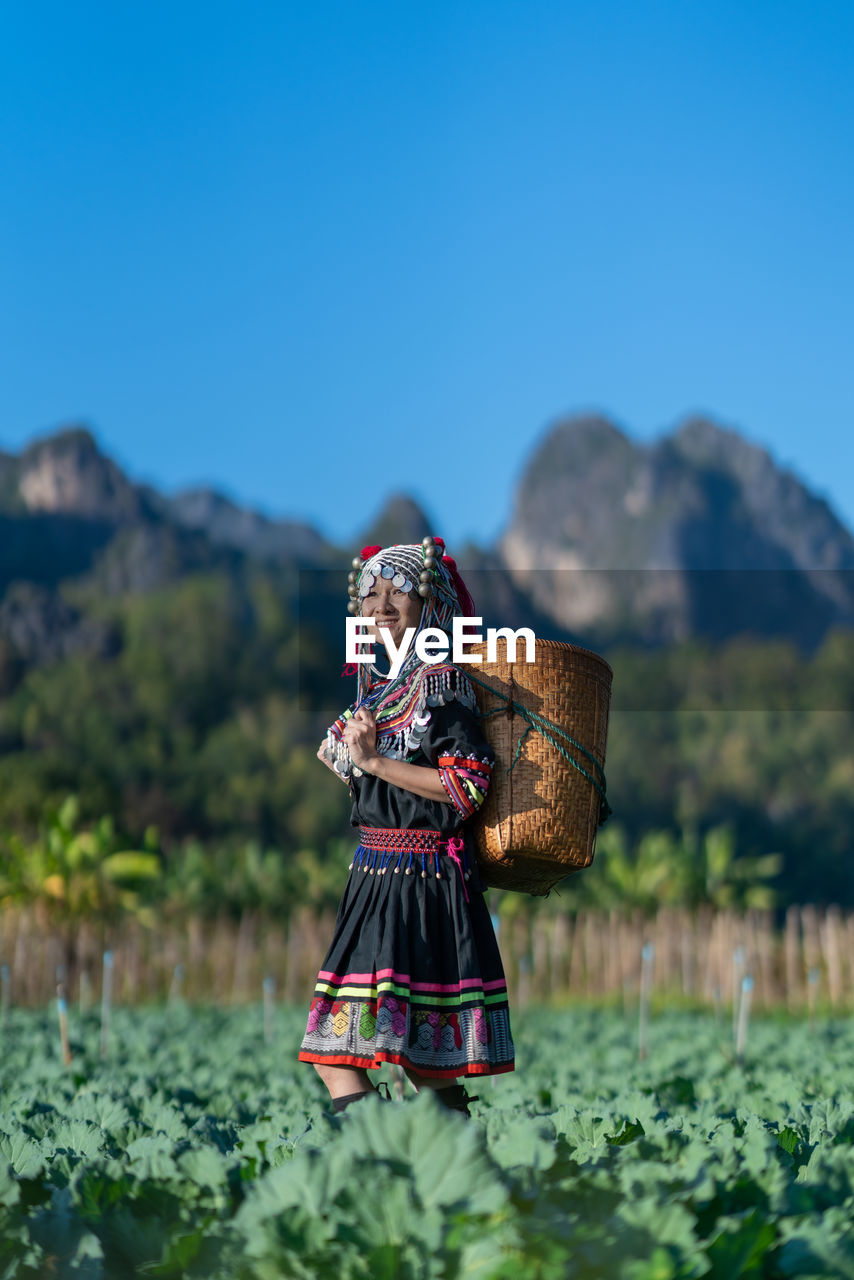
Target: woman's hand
column 360, row 735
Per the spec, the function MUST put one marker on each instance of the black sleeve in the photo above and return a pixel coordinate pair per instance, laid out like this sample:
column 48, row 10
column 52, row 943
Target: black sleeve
column 456, row 745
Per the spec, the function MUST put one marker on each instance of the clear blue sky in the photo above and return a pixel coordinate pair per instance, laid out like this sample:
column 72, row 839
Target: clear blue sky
column 312, row 253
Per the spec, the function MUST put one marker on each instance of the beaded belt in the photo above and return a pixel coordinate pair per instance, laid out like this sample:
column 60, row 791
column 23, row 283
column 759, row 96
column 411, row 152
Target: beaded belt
column 382, row 849
column 395, row 840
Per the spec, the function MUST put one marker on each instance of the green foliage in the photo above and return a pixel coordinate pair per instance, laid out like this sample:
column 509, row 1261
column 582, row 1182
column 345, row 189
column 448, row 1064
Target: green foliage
column 200, row 1149
column 666, row 869
column 203, row 715
column 72, row 872
column 239, row 877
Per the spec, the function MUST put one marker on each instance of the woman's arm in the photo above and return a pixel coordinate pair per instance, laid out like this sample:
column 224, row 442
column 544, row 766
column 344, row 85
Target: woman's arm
column 360, row 734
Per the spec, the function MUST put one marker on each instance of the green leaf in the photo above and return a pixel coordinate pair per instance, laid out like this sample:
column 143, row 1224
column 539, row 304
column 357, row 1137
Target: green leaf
column 131, row 865
column 520, row 1140
column 10, row 1192
column 740, row 1247
column 23, row 1153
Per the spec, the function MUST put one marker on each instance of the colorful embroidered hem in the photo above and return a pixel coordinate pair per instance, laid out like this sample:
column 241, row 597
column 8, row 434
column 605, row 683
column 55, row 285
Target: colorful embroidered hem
column 439, row 1033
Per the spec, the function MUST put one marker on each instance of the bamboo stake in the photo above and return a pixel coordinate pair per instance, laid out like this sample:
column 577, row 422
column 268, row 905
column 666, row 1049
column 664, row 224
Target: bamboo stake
column 647, row 959
column 62, row 1010
column 812, row 944
column 5, row 995
column 269, row 988
column 743, row 1017
column 813, row 979
column 175, row 985
column 106, row 1001
column 688, row 958
column 792, row 956
column 737, row 975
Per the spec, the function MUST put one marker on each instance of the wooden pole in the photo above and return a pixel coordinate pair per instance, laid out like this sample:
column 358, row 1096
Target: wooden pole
column 106, row 1001
column 5, row 994
column 647, row 960
column 792, row 957
column 737, row 975
column 62, row 1010
column 813, row 979
column 743, row 1017
column 269, row 989
column 176, row 985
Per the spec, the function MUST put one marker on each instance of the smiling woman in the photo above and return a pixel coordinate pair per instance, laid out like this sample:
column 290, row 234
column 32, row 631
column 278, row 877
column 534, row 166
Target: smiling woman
column 413, row 975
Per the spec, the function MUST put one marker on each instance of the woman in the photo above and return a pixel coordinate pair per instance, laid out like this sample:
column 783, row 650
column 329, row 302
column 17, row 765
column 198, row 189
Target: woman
column 413, row 975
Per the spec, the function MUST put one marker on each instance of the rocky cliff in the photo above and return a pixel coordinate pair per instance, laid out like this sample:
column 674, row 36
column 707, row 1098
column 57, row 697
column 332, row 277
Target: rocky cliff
column 698, row 534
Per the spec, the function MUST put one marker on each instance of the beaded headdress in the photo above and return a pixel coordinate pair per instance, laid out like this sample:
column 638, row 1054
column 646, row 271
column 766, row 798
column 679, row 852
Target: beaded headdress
column 412, row 567
column 401, row 706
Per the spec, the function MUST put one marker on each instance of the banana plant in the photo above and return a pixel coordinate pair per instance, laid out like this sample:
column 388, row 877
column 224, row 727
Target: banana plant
column 73, row 871
column 666, row 868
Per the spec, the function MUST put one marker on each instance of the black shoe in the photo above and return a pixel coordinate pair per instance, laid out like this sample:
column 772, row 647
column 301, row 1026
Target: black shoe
column 342, row 1103
column 455, row 1098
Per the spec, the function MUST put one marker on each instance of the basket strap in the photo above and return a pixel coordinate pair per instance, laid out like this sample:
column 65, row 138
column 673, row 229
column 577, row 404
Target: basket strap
column 549, row 729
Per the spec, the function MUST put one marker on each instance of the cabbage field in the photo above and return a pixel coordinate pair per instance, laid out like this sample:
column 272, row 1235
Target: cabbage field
column 198, row 1147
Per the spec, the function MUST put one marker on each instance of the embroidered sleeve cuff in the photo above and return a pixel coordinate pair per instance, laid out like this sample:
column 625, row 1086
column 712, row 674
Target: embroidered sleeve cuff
column 466, row 780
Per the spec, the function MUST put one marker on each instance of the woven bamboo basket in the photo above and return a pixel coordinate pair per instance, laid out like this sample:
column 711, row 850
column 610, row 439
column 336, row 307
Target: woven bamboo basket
column 539, row 820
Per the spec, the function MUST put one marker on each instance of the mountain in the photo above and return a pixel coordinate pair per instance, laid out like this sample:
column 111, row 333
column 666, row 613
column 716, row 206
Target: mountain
column 700, row 533
column 229, row 525
column 66, row 474
column 400, row 519
column 74, row 528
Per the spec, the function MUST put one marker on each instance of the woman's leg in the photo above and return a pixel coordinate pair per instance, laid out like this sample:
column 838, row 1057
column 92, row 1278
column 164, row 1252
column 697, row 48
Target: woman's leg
column 449, row 1092
column 344, row 1081
column 429, row 1082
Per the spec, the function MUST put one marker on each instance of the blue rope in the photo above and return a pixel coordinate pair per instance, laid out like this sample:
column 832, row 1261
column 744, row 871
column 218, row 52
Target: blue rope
column 549, row 729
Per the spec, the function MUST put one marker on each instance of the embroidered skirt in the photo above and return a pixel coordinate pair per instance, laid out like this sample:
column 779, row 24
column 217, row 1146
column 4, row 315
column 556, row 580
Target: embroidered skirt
column 413, row 975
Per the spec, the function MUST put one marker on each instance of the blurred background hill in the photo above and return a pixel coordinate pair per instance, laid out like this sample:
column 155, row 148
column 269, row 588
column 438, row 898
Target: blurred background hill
column 699, row 536
column 173, row 660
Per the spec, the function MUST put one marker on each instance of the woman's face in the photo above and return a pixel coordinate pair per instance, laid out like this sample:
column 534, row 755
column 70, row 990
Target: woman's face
column 392, row 607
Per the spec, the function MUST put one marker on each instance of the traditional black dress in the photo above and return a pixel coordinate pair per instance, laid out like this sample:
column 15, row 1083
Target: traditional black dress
column 413, row 975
